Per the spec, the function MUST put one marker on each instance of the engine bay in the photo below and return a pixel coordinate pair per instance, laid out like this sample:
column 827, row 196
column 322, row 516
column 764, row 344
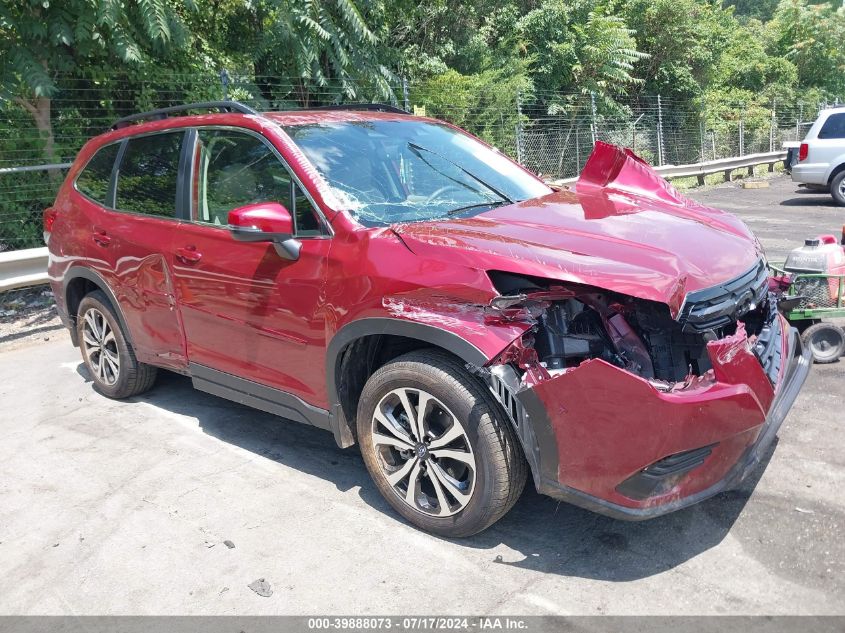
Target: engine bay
column 576, row 324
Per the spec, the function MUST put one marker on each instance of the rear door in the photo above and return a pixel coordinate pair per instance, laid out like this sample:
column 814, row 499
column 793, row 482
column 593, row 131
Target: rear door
column 138, row 234
column 247, row 311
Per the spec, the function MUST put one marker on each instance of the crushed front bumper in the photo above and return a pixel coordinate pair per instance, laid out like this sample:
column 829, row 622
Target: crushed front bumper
column 588, row 431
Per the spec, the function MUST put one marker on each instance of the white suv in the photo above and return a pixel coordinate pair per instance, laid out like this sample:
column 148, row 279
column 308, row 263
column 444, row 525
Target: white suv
column 821, row 157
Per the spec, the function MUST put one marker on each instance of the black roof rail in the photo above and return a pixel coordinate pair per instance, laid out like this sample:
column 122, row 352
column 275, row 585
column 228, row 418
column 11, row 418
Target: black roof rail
column 163, row 113
column 366, row 107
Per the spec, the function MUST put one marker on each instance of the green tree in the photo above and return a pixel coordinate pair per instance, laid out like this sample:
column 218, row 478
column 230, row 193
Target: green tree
column 320, row 46
column 578, row 46
column 757, row 9
column 483, row 102
column 40, row 39
column 684, row 40
column 812, row 37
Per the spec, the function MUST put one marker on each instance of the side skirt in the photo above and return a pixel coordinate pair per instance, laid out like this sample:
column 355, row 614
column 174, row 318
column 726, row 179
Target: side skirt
column 258, row 396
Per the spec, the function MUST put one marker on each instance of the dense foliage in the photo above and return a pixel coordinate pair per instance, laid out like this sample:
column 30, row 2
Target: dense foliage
column 69, row 66
column 682, row 49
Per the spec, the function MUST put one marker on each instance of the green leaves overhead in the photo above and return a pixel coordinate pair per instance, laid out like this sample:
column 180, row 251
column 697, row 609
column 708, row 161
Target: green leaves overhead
column 318, row 44
column 691, row 52
column 306, row 52
column 812, row 37
column 39, row 38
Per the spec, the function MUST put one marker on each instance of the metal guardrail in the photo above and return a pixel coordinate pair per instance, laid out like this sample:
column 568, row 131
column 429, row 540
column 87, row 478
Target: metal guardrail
column 700, row 170
column 19, row 269
column 28, row 267
column 726, row 165
column 19, row 170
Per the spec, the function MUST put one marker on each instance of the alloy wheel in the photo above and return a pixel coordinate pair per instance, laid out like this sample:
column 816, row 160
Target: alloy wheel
column 424, row 452
column 100, row 347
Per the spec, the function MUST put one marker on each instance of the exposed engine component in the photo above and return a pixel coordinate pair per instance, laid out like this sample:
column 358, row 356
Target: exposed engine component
column 675, row 353
column 569, row 333
column 643, row 340
column 575, row 325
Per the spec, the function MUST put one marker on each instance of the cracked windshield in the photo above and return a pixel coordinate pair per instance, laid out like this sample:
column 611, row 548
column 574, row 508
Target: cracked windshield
column 410, row 171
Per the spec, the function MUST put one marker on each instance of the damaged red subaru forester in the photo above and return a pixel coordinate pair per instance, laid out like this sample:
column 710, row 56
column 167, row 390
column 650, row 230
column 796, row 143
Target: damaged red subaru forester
column 400, row 283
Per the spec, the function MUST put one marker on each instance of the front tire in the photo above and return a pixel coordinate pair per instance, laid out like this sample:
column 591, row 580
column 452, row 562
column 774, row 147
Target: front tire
column 438, row 446
column 107, row 354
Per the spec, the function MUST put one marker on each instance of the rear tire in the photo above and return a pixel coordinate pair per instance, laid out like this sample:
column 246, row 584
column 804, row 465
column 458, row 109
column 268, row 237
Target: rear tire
column 826, row 341
column 457, row 471
column 107, row 355
column 837, row 188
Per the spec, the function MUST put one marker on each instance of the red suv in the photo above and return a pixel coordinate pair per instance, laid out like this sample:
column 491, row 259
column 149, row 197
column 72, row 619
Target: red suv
column 402, row 284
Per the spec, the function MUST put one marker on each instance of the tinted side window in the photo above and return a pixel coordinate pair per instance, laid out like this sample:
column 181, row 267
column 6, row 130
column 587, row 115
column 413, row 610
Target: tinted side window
column 233, row 169
column 94, row 180
column 834, row 127
column 148, row 172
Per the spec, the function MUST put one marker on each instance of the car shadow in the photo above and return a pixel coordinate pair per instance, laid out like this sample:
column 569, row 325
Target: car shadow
column 544, row 535
column 559, row 538
column 823, row 200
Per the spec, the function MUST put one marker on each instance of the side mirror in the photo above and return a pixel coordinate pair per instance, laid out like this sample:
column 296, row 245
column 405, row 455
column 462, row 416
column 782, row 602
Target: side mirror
column 265, row 222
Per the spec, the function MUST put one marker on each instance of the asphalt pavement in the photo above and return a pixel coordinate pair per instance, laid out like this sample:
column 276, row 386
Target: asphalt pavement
column 176, row 501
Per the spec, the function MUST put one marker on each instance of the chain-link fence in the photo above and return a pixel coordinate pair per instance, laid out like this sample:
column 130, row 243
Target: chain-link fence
column 551, row 134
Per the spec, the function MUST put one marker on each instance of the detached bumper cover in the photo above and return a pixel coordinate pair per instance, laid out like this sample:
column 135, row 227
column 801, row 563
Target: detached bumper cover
column 607, row 425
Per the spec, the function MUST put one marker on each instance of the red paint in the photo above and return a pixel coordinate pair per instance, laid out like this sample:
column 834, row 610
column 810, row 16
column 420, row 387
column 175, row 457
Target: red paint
column 635, row 235
column 191, row 293
column 263, row 216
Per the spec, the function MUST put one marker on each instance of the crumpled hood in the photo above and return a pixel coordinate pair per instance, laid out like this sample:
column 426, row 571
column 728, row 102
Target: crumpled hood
column 622, row 228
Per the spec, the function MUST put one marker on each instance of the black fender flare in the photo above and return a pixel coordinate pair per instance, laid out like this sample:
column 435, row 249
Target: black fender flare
column 83, row 272
column 370, row 326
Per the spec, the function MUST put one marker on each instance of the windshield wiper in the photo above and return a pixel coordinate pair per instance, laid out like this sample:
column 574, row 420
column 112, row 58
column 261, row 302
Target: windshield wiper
column 417, row 149
column 492, row 204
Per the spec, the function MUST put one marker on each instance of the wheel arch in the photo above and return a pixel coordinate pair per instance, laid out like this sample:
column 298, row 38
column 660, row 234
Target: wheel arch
column 836, row 170
column 80, row 281
column 361, row 347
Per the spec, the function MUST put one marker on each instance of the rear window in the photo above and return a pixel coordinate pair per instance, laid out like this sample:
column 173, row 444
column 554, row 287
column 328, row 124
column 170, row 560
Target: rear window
column 148, row 173
column 94, row 180
column 834, row 127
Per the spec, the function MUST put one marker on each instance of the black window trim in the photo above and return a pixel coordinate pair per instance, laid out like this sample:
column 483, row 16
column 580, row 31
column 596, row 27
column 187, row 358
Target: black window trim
column 325, row 227
column 180, row 212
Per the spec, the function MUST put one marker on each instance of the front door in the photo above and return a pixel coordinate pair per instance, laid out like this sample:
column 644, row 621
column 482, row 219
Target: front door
column 247, row 311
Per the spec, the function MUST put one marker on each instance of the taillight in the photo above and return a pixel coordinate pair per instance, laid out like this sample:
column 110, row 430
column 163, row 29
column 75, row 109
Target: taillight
column 803, row 151
column 50, row 215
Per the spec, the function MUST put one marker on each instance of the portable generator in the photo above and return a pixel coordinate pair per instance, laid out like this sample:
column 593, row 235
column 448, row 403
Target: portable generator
column 814, row 278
